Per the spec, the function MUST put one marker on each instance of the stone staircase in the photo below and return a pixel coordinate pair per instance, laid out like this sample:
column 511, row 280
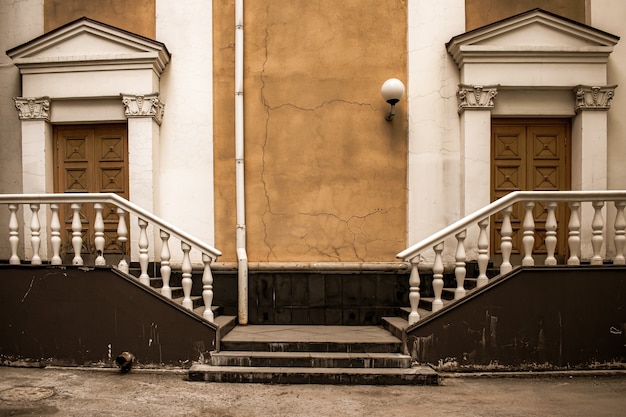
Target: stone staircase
column 364, row 355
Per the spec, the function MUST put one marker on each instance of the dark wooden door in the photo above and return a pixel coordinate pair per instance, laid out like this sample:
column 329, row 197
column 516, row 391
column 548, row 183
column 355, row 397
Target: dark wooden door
column 91, row 159
column 530, row 155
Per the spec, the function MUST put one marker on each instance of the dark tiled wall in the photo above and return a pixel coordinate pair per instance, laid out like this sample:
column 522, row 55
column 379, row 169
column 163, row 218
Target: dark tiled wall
column 315, row 298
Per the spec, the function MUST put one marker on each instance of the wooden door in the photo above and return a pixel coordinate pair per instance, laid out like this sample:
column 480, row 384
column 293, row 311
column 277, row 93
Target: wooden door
column 92, row 159
column 530, row 155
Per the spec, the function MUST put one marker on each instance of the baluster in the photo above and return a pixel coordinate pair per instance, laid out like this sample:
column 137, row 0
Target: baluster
column 35, row 228
column 528, row 240
column 14, row 237
column 77, row 237
column 98, row 227
column 573, row 240
column 122, row 237
column 597, row 239
column 55, row 235
column 166, row 270
column 551, row 234
column 460, row 270
column 438, row 278
column 207, row 289
column 506, row 244
column 186, row 281
column 414, row 290
column 483, row 253
column 144, row 278
column 620, row 233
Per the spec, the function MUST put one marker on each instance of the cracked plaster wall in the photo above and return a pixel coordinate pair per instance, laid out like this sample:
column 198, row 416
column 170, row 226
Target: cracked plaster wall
column 325, row 173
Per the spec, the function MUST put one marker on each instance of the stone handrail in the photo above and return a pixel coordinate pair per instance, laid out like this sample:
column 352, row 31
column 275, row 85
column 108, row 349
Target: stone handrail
column 123, row 207
column 504, row 206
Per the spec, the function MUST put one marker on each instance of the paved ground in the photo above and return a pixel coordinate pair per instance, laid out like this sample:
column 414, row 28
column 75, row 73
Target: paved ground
column 92, row 392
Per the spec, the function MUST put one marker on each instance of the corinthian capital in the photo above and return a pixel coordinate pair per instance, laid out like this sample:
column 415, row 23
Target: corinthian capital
column 593, row 98
column 147, row 105
column 29, row 108
column 476, row 97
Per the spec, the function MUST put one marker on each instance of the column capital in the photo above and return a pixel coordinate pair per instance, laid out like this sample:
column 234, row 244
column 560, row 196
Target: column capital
column 593, row 98
column 476, row 97
column 33, row 108
column 148, row 105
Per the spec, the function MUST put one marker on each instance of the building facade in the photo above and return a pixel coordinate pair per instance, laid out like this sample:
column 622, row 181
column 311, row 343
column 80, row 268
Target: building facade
column 259, row 127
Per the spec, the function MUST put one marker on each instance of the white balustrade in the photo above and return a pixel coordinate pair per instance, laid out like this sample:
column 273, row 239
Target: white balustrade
column 526, row 200
column 597, row 226
column 207, row 289
column 506, row 245
column 551, row 239
column 166, row 270
column 574, row 233
column 186, row 281
column 55, row 235
column 122, row 237
column 75, row 202
column 483, row 253
column 144, row 278
column 14, row 238
column 77, row 234
column 414, row 290
column 459, row 269
column 35, row 240
column 98, row 227
column 528, row 238
column 620, row 233
column 438, row 278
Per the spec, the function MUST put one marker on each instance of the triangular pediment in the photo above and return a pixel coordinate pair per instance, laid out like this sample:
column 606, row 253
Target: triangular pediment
column 86, row 42
column 535, row 33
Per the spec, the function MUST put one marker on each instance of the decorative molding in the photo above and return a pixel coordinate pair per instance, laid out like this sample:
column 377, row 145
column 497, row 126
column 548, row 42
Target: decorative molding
column 147, row 105
column 476, row 97
column 593, row 98
column 30, row 108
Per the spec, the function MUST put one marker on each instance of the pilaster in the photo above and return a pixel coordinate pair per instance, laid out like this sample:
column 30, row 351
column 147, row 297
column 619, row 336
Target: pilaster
column 144, row 113
column 37, row 160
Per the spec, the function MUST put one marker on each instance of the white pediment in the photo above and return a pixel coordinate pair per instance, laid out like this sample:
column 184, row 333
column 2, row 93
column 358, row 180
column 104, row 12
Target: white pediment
column 536, row 36
column 88, row 43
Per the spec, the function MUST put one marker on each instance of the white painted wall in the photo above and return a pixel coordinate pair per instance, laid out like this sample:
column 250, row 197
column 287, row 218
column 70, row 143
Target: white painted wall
column 185, row 181
column 434, row 177
column 608, row 15
column 20, row 21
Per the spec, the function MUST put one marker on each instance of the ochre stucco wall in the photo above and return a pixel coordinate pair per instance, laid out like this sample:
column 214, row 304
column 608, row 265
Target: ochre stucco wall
column 482, row 12
column 135, row 16
column 325, row 173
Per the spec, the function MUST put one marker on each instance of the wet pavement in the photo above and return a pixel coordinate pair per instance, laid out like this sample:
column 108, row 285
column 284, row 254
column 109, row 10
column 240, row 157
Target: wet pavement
column 106, row 392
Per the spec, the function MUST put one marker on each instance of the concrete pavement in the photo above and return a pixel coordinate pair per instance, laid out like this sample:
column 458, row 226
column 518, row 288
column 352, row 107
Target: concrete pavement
column 106, row 392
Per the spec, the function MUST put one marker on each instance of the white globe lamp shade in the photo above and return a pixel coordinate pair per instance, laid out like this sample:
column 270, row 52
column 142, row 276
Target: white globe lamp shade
column 392, row 90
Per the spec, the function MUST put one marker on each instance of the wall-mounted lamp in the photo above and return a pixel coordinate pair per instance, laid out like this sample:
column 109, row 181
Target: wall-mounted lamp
column 392, row 91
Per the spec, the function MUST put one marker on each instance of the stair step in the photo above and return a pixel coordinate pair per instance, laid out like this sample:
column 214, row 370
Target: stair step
column 427, row 303
column 197, row 301
column 310, row 359
column 309, row 338
column 420, row 375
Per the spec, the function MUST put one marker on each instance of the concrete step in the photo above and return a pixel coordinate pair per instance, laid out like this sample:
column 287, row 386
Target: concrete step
column 310, row 359
column 419, row 375
column 285, row 338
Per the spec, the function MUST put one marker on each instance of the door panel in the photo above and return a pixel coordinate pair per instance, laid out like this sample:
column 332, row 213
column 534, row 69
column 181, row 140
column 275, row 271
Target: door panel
column 92, row 159
column 530, row 155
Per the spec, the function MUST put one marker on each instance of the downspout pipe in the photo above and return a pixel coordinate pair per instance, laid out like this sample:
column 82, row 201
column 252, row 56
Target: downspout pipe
column 242, row 256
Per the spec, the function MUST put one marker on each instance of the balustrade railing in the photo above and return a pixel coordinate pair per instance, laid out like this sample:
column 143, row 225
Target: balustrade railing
column 75, row 202
column 457, row 233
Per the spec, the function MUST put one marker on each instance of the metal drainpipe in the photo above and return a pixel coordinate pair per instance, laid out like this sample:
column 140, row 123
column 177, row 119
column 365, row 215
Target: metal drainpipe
column 242, row 256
